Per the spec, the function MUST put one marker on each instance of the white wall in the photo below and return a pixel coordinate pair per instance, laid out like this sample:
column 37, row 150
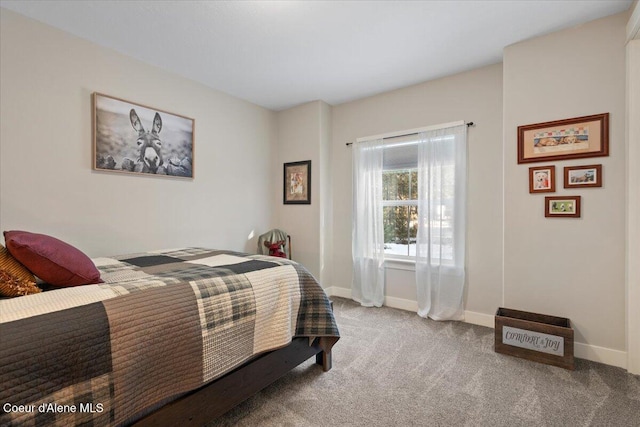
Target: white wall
column 47, row 185
column 326, row 198
column 473, row 96
column 569, row 267
column 633, row 204
column 302, row 135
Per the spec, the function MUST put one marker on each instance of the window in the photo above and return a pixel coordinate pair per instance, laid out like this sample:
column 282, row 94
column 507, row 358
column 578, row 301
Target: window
column 400, row 211
column 409, row 197
column 400, row 196
column 400, row 200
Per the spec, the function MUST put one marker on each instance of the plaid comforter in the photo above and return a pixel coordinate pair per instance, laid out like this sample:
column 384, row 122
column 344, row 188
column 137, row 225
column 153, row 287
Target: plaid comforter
column 162, row 324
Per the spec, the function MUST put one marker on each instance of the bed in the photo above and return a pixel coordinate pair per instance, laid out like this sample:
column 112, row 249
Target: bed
column 172, row 337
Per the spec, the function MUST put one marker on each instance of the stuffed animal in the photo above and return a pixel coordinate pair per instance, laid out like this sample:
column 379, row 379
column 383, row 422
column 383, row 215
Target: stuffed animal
column 276, row 249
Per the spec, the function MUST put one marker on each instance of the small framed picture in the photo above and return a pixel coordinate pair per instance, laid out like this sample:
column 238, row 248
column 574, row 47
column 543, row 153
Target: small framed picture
column 297, row 183
column 562, row 207
column 542, row 179
column 583, row 176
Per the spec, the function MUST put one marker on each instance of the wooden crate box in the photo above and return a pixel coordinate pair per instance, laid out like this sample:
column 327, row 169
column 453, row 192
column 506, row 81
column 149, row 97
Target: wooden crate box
column 533, row 336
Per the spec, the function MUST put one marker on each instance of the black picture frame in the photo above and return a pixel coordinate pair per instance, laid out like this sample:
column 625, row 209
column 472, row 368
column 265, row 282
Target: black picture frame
column 296, row 185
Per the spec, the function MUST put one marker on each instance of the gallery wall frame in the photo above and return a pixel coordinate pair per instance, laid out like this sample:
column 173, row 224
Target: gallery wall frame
column 562, row 206
column 583, row 176
column 542, row 179
column 297, row 183
column 575, row 138
column 137, row 139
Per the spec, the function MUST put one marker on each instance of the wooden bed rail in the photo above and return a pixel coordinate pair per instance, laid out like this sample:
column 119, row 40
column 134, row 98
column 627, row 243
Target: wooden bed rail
column 214, row 399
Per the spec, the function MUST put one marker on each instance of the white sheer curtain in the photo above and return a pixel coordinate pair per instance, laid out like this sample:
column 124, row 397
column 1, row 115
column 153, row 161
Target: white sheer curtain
column 440, row 247
column 368, row 237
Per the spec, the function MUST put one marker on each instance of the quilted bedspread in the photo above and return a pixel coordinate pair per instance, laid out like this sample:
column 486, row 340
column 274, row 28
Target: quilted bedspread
column 162, row 324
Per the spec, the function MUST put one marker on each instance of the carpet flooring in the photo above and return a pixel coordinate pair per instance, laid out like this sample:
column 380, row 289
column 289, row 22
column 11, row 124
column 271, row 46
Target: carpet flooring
column 394, row 368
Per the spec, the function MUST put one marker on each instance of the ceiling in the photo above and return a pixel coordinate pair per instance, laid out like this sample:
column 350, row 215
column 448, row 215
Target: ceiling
column 278, row 54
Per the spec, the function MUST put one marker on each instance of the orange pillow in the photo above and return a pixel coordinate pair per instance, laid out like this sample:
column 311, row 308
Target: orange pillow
column 12, row 286
column 12, row 266
column 54, row 261
column 15, row 279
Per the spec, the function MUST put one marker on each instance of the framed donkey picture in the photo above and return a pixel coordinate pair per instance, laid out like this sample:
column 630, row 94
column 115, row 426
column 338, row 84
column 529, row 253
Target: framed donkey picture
column 137, row 139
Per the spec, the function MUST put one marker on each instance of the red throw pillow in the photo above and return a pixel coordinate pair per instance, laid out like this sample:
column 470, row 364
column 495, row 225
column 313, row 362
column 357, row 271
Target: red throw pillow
column 54, row 261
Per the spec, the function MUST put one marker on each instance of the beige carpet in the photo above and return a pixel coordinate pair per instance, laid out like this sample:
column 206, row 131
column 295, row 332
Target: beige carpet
column 393, row 368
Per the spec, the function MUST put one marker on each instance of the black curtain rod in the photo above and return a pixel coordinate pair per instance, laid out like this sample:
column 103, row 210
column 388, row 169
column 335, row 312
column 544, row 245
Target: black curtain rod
column 406, row 134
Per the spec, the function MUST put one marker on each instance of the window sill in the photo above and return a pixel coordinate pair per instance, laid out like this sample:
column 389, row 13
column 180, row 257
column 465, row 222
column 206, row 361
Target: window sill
column 400, row 264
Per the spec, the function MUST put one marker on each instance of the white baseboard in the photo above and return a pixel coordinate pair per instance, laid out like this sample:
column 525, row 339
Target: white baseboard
column 402, row 304
column 334, row 291
column 480, row 319
column 583, row 351
column 600, row 354
column 409, row 305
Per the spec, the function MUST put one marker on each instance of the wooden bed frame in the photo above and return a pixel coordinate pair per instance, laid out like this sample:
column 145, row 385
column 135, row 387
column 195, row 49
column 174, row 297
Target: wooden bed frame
column 214, row 399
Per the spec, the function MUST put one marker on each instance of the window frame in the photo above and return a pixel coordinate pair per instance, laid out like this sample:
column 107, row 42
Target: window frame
column 399, row 202
column 397, row 261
